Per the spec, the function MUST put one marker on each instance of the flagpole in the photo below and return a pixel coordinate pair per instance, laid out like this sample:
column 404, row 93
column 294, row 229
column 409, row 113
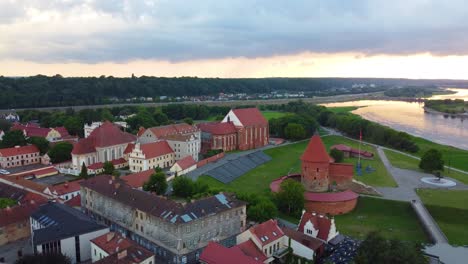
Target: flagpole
column 360, row 140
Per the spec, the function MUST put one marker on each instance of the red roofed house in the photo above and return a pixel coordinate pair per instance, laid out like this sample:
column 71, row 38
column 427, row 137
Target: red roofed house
column 215, row 253
column 64, row 191
column 108, row 248
column 51, row 134
column 105, row 143
column 267, row 237
column 183, row 138
column 136, row 180
column 151, row 155
column 351, row 152
column 19, row 156
column 317, row 225
column 184, row 166
column 217, row 135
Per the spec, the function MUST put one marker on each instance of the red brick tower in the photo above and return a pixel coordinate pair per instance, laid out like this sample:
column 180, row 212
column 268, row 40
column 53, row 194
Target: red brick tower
column 315, row 166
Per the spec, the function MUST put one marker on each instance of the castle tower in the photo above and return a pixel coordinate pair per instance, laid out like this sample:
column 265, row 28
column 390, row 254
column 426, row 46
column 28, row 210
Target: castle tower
column 315, row 166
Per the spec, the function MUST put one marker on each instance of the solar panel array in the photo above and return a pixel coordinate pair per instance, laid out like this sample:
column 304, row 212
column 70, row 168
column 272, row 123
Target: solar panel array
column 238, row 167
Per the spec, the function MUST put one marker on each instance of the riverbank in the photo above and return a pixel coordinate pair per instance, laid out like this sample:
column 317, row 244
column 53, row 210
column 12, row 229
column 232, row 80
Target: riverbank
column 429, row 110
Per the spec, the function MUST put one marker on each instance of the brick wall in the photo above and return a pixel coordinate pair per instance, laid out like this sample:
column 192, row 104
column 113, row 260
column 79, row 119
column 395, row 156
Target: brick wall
column 332, row 208
column 214, row 158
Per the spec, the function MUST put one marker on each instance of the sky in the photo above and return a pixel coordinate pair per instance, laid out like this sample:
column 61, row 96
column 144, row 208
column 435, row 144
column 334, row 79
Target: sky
column 235, row 38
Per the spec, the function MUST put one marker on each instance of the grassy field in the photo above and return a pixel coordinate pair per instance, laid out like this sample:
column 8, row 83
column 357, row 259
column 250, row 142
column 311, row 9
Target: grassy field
column 342, row 109
column 286, row 159
column 398, row 220
column 452, row 156
column 273, row 114
column 409, row 163
column 450, row 209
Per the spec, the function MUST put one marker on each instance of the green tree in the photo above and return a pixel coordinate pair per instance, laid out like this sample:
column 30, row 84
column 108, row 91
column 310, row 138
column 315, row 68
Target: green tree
column 13, row 138
column 84, row 171
column 108, row 168
column 106, row 115
column 60, row 152
column 337, row 155
column 4, row 202
column 188, row 120
column 41, row 143
column 376, row 249
column 5, row 125
column 48, row 258
column 262, row 211
column 431, row 161
column 183, row 187
column 74, row 125
column 156, row 183
column 294, row 131
column 290, row 198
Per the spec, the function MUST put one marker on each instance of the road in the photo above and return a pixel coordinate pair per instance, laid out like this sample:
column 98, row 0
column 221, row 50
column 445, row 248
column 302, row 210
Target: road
column 316, row 100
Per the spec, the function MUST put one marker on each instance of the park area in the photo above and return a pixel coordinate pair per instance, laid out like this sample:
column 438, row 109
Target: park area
column 449, row 208
column 285, row 159
column 398, row 220
column 406, row 162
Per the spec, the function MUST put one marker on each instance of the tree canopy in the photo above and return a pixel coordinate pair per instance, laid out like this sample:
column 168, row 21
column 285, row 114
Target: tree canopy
column 50, row 258
column 376, row 249
column 13, row 138
column 108, row 168
column 156, row 183
column 290, row 198
column 337, row 155
column 61, row 152
column 431, row 161
column 41, row 143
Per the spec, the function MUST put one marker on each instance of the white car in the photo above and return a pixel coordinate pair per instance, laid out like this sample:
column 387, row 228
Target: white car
column 4, row 172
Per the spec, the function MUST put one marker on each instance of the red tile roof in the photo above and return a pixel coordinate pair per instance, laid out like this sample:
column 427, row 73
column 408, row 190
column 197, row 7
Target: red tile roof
column 267, row 232
column 106, row 135
column 129, row 148
column 136, row 180
column 18, row 213
column 215, row 253
column 250, row 249
column 216, row 128
column 8, row 152
column 156, row 149
column 315, row 151
column 67, row 187
column 132, row 255
column 341, row 147
column 25, row 183
column 250, row 116
column 331, row 196
column 33, row 130
column 341, row 169
column 186, row 162
column 75, row 201
column 112, row 242
column 344, row 148
column 45, row 171
column 181, row 128
column 302, row 238
column 320, row 222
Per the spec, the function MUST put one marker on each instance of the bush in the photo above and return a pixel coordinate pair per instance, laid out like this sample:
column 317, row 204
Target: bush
column 431, row 161
column 337, row 155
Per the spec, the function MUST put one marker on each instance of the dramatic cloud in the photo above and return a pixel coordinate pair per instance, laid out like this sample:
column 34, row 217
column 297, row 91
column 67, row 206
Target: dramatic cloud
column 92, row 31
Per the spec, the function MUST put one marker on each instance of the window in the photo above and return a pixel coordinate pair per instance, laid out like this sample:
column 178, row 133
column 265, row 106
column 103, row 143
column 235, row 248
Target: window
column 141, row 229
column 77, row 248
column 95, row 253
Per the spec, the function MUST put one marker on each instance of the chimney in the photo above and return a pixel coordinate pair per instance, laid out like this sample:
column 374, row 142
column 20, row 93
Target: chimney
column 110, row 236
column 122, row 254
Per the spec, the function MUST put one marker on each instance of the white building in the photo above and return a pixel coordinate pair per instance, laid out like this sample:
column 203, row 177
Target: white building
column 151, row 155
column 105, row 143
column 184, row 166
column 184, row 145
column 59, row 228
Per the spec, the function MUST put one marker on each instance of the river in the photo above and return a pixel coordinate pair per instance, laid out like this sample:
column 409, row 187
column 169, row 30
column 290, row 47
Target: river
column 410, row 118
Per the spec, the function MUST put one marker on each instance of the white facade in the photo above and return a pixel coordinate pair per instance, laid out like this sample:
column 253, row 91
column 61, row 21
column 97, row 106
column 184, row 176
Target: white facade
column 101, row 155
column 97, row 253
column 185, row 147
column 231, row 117
column 268, row 249
column 177, row 169
column 301, row 250
column 137, row 160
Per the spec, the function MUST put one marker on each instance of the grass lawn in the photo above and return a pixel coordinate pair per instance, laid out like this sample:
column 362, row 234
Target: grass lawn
column 286, row 159
column 273, row 114
column 456, row 156
column 394, row 219
column 450, row 209
column 380, row 177
column 409, row 163
column 342, row 109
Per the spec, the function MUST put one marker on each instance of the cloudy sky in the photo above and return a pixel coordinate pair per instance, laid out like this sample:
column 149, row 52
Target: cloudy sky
column 235, row 38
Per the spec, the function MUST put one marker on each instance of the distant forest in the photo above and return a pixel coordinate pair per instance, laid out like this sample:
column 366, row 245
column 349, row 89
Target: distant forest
column 44, row 91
